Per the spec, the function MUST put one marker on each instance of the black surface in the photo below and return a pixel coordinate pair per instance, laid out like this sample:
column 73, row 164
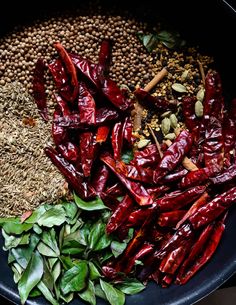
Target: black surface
column 211, row 26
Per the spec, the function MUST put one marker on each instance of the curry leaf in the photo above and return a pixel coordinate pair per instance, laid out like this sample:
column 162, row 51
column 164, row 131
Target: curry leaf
column 45, row 250
column 88, row 294
column 49, row 238
column 12, row 241
column 103, row 242
column 47, row 293
column 96, row 204
column 55, row 216
column 130, row 286
column 56, row 271
column 97, row 231
column 117, row 248
column 113, row 295
column 99, row 292
column 23, row 254
column 14, row 226
column 31, row 276
column 93, row 272
column 75, row 279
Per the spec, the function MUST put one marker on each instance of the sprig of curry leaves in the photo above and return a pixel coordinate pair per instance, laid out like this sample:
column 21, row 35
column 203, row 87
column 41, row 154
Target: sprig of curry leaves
column 170, row 39
column 58, row 250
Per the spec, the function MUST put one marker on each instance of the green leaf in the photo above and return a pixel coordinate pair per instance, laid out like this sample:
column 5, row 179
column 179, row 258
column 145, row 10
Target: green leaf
column 127, row 156
column 47, row 276
column 31, row 276
column 150, row 41
column 11, row 258
column 71, row 210
column 77, row 225
column 14, row 226
column 49, row 238
column 130, row 286
column 37, row 229
column 93, row 205
column 47, row 293
column 23, row 254
column 99, row 292
column 67, row 298
column 55, row 216
column 105, row 256
column 66, row 262
column 113, row 295
column 96, row 232
column 35, row 293
column 45, row 250
column 12, row 241
column 17, row 270
column 77, row 236
column 51, row 262
column 94, row 274
column 103, row 242
column 75, row 279
column 56, row 271
column 171, row 40
column 117, row 248
column 88, row 294
column 38, row 213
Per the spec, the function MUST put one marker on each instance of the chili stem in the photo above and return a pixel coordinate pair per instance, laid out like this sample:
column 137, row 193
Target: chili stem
column 156, row 141
column 201, row 71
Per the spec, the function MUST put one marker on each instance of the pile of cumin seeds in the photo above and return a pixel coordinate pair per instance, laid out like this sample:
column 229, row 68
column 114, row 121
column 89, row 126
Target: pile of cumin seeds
column 27, row 177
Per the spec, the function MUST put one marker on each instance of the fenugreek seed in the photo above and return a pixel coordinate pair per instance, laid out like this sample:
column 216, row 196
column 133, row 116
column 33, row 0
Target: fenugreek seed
column 170, row 136
column 165, row 126
column 179, row 88
column 201, row 94
column 199, row 109
column 173, row 121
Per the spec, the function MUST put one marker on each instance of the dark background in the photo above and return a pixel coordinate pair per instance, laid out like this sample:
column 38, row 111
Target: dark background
column 211, row 24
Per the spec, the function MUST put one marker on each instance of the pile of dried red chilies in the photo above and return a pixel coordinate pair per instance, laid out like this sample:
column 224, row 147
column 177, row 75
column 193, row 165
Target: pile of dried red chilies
column 178, row 215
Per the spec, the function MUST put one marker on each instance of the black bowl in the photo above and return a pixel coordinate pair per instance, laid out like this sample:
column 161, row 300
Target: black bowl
column 211, row 27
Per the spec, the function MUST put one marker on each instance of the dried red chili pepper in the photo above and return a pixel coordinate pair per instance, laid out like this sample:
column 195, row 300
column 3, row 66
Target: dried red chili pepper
column 120, row 215
column 145, row 250
column 178, row 239
column 202, row 200
column 127, row 131
column 209, row 212
column 157, row 191
column 63, row 105
column 100, row 178
column 138, row 217
column 102, row 133
column 103, row 115
column 70, row 68
column 69, row 151
column 116, row 190
column 60, row 78
column 213, row 101
column 137, row 191
column 174, row 176
column 104, row 59
column 174, row 259
column 188, row 106
column 136, row 173
column 210, row 248
column 88, row 148
column 117, row 140
column 173, row 155
column 170, row 219
column 214, row 145
column 133, row 246
column 113, row 93
column 147, row 157
column 59, row 134
column 194, row 178
column 39, row 89
column 73, row 177
column 86, row 106
column 178, row 199
column 150, row 101
column 228, row 175
column 195, row 251
column 110, row 201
